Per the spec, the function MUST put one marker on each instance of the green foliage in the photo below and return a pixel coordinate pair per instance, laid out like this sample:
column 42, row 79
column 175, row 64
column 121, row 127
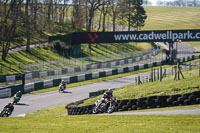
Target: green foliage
column 60, row 46
column 137, row 15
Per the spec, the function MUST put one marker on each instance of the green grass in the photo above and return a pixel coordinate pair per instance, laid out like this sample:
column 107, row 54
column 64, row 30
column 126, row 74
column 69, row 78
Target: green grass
column 172, row 18
column 166, row 109
column 55, row 119
column 15, row 61
column 115, row 48
column 196, row 45
column 49, row 120
column 167, row 87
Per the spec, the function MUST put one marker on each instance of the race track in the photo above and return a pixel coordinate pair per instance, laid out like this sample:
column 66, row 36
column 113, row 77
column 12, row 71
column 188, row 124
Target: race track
column 32, row 102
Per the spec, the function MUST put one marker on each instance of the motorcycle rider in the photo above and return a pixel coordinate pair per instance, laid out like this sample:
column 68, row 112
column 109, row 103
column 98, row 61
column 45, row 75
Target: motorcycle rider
column 17, row 97
column 18, row 94
column 107, row 94
column 108, row 99
column 9, row 107
column 63, row 84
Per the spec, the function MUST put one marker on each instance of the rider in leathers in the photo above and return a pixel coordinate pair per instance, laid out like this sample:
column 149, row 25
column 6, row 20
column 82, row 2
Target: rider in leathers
column 107, row 94
column 63, row 84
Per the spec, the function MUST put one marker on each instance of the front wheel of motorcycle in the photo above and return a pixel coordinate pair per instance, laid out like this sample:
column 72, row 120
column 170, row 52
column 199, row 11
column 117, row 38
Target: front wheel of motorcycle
column 95, row 109
column 4, row 114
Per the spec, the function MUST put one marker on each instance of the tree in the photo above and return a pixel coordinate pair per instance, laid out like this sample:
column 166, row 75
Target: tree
column 27, row 24
column 63, row 11
column 105, row 7
column 9, row 16
column 115, row 10
column 78, row 14
column 92, row 7
column 137, row 19
column 123, row 13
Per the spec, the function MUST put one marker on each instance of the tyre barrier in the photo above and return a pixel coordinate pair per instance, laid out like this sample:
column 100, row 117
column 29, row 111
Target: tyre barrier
column 141, row 103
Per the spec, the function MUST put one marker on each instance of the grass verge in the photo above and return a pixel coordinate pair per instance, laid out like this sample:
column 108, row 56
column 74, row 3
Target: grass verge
column 103, row 124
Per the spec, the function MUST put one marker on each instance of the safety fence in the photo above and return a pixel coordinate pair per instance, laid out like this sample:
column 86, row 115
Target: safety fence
column 63, row 64
column 38, row 85
column 98, row 66
column 11, row 90
column 140, row 103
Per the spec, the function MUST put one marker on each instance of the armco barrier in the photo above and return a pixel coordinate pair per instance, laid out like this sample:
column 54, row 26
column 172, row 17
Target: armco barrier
column 142, row 103
column 5, row 92
column 16, row 88
column 10, row 78
column 11, row 90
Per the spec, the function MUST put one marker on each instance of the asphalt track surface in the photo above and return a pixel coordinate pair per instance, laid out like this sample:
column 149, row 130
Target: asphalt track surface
column 33, row 102
column 169, row 112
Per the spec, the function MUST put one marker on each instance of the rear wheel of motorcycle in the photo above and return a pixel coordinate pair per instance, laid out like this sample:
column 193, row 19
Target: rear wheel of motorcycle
column 111, row 109
column 95, row 110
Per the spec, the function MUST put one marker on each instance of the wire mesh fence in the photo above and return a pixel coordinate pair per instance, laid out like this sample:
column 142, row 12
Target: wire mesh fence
column 61, row 68
column 62, row 64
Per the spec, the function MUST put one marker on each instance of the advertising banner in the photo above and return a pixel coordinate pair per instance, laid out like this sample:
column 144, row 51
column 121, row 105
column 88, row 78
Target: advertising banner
column 129, row 36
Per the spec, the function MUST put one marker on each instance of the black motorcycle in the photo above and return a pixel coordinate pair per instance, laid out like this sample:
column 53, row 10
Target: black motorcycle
column 7, row 111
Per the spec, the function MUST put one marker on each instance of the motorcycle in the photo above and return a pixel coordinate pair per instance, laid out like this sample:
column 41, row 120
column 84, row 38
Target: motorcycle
column 6, row 112
column 62, row 88
column 108, row 105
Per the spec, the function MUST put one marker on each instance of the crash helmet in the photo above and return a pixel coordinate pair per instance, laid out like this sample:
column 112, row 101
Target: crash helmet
column 110, row 90
column 10, row 104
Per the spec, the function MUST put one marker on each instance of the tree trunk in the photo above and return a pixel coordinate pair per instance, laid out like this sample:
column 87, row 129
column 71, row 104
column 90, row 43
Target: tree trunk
column 99, row 22
column 27, row 26
column 86, row 14
column 114, row 19
column 129, row 16
column 35, row 14
column 5, row 50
